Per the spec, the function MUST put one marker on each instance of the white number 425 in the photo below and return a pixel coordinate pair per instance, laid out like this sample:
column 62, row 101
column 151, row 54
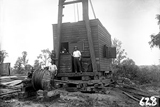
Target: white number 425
column 146, row 101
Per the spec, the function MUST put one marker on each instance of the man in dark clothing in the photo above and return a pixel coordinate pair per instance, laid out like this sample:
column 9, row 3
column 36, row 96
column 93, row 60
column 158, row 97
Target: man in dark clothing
column 53, row 57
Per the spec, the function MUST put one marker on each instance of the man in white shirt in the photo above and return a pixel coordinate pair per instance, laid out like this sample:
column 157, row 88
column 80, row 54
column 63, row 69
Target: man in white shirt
column 76, row 59
column 53, row 72
column 53, row 69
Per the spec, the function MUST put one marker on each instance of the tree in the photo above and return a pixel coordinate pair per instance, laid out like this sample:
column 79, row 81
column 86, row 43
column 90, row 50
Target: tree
column 18, row 65
column 37, row 64
column 22, row 62
column 120, row 53
column 3, row 55
column 130, row 68
column 24, row 58
column 44, row 58
column 128, row 61
column 158, row 18
column 155, row 39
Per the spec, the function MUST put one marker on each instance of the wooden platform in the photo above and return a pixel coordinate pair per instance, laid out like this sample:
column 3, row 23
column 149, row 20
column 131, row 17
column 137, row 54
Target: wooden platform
column 73, row 74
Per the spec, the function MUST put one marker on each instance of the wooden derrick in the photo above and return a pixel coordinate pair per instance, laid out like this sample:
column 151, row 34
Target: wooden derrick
column 91, row 38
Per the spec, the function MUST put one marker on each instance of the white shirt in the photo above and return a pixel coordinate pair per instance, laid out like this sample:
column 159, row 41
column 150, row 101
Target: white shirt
column 53, row 68
column 77, row 53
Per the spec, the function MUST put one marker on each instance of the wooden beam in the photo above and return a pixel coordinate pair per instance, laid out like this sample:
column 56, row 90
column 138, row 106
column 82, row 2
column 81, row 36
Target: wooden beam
column 71, row 2
column 60, row 11
column 73, row 74
column 3, row 94
column 89, row 36
column 131, row 96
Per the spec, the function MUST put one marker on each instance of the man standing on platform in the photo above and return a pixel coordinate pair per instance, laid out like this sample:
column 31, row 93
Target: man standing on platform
column 76, row 59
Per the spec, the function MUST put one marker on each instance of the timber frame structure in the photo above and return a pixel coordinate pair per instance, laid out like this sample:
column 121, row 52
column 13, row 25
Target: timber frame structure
column 86, row 19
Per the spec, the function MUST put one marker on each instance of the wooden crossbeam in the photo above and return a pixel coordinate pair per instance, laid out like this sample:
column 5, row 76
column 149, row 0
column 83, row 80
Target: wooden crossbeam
column 71, row 2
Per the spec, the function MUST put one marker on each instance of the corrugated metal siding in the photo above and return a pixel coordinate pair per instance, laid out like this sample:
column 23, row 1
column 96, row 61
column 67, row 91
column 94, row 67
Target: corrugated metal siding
column 4, row 69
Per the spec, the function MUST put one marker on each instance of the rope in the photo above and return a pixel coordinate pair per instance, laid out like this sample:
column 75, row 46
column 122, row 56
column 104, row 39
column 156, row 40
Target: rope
column 92, row 9
column 74, row 13
column 77, row 12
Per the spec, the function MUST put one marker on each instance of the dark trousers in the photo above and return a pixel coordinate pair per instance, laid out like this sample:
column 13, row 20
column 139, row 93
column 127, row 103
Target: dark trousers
column 77, row 65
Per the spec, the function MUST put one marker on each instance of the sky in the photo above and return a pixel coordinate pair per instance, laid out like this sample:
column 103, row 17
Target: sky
column 26, row 25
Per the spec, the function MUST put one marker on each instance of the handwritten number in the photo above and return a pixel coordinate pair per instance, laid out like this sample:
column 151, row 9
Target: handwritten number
column 141, row 102
column 145, row 101
column 154, row 102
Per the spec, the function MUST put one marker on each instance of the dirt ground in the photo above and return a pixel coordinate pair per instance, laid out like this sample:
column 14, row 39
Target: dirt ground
column 114, row 98
column 60, row 98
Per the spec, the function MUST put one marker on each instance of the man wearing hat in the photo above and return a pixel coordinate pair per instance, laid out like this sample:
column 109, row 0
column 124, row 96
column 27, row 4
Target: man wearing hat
column 76, row 59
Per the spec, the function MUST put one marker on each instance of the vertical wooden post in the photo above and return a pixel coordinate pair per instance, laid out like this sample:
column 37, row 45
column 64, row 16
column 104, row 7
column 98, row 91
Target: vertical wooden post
column 89, row 36
column 60, row 11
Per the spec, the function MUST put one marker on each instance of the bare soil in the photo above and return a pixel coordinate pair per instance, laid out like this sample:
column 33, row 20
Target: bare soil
column 114, row 98
column 60, row 98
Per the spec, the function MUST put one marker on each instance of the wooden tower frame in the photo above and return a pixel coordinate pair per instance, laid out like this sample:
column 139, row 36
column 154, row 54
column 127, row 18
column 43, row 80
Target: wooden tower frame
column 62, row 3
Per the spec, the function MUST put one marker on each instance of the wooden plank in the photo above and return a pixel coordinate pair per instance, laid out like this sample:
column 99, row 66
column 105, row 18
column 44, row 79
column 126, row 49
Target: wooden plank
column 130, row 96
column 12, row 83
column 4, row 94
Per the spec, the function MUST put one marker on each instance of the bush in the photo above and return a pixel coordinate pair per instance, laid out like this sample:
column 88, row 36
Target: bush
column 138, row 74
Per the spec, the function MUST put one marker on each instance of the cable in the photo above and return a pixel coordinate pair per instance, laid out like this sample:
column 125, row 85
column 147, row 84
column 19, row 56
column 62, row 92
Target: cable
column 77, row 12
column 74, row 13
column 92, row 9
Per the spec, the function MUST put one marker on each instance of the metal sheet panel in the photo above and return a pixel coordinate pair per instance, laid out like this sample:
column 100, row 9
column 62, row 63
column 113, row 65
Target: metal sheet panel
column 4, row 69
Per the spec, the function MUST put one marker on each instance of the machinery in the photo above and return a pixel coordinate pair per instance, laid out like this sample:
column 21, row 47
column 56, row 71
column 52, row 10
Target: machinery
column 94, row 42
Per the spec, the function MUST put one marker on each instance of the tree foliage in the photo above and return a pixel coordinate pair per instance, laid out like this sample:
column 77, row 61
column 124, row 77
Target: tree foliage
column 24, row 58
column 3, row 55
column 18, row 64
column 155, row 39
column 22, row 62
column 120, row 53
column 37, row 64
column 43, row 58
column 128, row 62
column 126, row 69
column 158, row 18
column 137, row 74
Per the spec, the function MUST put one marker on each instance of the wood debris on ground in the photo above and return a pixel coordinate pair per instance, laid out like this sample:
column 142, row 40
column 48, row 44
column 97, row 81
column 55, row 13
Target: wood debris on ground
column 118, row 95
